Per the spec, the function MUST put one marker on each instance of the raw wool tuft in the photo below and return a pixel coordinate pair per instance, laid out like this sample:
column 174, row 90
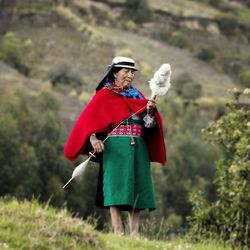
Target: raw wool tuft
column 78, row 171
column 160, row 83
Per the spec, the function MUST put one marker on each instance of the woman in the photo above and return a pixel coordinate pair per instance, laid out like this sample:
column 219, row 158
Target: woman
column 135, row 131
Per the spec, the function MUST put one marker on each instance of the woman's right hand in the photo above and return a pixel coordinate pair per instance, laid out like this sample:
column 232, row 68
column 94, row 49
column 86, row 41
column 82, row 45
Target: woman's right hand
column 97, row 144
column 151, row 105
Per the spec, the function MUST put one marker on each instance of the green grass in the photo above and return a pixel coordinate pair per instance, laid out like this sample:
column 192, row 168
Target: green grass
column 30, row 225
column 243, row 15
column 122, row 243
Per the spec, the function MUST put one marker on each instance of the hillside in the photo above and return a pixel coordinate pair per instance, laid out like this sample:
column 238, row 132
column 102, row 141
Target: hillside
column 83, row 36
column 64, row 47
column 30, row 225
column 154, row 53
column 75, row 36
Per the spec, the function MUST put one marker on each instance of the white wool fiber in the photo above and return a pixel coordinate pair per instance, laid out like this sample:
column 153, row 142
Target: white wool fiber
column 160, row 83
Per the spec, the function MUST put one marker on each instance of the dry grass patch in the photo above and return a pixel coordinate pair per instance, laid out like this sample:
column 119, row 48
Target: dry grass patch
column 185, row 8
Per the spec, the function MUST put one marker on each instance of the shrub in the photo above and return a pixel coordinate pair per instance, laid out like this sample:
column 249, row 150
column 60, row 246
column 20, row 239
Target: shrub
column 17, row 53
column 245, row 78
column 227, row 219
column 124, row 52
column 206, row 55
column 100, row 12
column 174, row 221
column 138, row 10
column 180, row 82
column 215, row 3
column 178, row 39
column 227, row 24
column 63, row 2
column 192, row 91
column 162, row 33
column 62, row 75
column 130, row 25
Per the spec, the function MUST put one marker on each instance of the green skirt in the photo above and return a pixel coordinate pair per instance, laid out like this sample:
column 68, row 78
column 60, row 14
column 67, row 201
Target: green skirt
column 127, row 179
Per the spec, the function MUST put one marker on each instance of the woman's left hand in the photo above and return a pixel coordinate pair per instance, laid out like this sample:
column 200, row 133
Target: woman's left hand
column 151, row 106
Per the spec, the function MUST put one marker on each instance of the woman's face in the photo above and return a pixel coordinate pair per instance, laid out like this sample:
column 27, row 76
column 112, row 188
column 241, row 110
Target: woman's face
column 124, row 77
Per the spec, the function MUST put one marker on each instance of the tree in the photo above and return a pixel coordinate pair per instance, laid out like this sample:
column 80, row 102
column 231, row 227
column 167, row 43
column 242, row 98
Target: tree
column 18, row 172
column 190, row 165
column 49, row 147
column 228, row 218
column 31, row 153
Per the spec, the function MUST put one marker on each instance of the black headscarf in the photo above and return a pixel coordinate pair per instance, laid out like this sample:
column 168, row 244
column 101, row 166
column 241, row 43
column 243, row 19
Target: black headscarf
column 108, row 75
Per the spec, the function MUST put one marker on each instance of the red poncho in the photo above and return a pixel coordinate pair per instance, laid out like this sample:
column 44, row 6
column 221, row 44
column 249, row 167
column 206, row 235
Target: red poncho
column 106, row 110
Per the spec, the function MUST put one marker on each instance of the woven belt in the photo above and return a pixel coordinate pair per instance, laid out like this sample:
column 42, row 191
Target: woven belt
column 128, row 130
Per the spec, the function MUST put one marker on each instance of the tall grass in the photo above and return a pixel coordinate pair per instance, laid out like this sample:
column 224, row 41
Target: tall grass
column 30, row 225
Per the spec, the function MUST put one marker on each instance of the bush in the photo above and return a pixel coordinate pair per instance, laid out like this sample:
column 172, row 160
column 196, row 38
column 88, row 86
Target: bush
column 206, row 55
column 192, row 91
column 138, row 10
column 228, row 219
column 178, row 39
column 215, row 3
column 63, row 2
column 245, row 78
column 227, row 24
column 18, row 54
column 124, row 52
column 100, row 12
column 181, row 81
column 61, row 75
column 130, row 25
column 162, row 33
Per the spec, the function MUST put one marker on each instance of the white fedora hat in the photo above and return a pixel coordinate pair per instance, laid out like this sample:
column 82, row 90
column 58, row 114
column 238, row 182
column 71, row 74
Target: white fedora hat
column 124, row 62
column 117, row 62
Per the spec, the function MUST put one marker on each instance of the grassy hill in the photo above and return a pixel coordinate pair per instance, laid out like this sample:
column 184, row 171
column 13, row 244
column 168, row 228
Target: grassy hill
column 30, row 225
column 83, row 37
column 84, row 40
column 205, row 43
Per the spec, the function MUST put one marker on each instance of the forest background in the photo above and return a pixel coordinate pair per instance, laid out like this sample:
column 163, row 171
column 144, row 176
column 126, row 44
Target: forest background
column 54, row 52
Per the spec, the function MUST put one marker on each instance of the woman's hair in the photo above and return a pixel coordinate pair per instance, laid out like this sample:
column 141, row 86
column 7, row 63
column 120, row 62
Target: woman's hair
column 110, row 77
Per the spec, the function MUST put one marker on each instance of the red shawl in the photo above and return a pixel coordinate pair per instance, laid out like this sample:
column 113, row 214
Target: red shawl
column 106, row 110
